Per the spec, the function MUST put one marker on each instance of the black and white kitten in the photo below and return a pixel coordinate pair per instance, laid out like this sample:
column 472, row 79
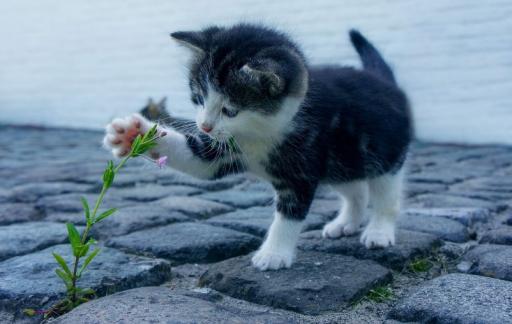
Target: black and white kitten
column 294, row 125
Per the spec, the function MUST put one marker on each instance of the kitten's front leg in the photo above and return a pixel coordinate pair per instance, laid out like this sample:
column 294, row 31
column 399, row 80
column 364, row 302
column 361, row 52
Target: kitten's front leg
column 183, row 150
column 278, row 250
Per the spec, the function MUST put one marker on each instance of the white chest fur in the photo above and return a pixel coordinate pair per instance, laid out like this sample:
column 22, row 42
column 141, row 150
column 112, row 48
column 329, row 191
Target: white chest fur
column 255, row 155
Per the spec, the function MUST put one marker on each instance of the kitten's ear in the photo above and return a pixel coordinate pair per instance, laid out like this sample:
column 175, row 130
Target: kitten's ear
column 265, row 78
column 150, row 101
column 162, row 102
column 192, row 40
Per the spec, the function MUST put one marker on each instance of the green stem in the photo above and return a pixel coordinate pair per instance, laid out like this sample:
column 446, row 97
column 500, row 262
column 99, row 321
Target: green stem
column 92, row 219
column 104, row 190
column 123, row 161
column 95, row 210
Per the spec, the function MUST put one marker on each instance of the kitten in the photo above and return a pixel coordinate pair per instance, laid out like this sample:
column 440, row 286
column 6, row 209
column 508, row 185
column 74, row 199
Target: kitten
column 295, row 125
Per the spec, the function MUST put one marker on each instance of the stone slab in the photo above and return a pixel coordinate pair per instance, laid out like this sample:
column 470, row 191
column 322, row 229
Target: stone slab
column 417, row 188
column 443, row 228
column 30, row 280
column 442, row 200
column 316, row 283
column 489, row 260
column 31, row 192
column 136, row 218
column 257, row 220
column 193, row 206
column 175, row 178
column 457, row 298
column 71, row 202
column 409, row 245
column 501, row 235
column 151, row 192
column 17, row 212
column 465, row 215
column 241, row 199
column 18, row 239
column 187, row 242
column 163, row 305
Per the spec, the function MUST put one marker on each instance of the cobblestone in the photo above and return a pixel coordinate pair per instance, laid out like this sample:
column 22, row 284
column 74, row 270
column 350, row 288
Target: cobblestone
column 17, row 212
column 150, row 192
column 443, row 228
column 458, row 298
column 194, row 206
column 30, row 281
column 187, row 242
column 162, row 305
column 257, row 220
column 498, row 236
column 409, row 245
column 210, row 228
column 18, row 239
column 489, row 260
column 317, row 283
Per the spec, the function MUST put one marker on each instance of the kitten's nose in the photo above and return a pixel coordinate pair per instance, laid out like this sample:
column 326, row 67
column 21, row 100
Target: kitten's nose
column 206, row 127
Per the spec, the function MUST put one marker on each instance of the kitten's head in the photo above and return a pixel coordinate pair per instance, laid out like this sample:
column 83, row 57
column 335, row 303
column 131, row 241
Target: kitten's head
column 246, row 80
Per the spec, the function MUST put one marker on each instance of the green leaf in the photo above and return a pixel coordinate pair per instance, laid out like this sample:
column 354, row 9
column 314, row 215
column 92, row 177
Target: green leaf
column 87, row 211
column 105, row 214
column 81, row 300
column 142, row 144
column 62, row 263
column 88, row 292
column 29, row 312
column 108, row 175
column 83, row 250
column 144, row 147
column 135, row 145
column 150, row 134
column 67, row 280
column 88, row 260
column 74, row 238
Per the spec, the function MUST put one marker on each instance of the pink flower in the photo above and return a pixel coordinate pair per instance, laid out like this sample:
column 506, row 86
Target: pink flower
column 161, row 161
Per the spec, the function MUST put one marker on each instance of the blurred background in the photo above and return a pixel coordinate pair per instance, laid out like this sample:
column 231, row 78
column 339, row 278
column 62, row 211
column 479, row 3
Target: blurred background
column 78, row 64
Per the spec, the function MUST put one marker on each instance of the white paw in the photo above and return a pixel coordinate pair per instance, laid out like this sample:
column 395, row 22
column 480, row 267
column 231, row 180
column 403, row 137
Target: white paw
column 335, row 229
column 121, row 132
column 266, row 259
column 377, row 237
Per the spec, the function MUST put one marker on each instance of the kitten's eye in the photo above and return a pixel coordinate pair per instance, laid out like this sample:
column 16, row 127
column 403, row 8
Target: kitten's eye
column 229, row 113
column 198, row 99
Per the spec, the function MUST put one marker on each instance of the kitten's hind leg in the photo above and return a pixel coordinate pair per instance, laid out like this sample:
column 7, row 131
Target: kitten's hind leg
column 385, row 199
column 351, row 216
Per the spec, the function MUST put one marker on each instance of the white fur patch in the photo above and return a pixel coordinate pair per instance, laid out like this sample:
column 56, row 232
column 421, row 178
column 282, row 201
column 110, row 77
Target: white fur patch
column 278, row 250
column 181, row 158
column 258, row 134
column 385, row 199
column 355, row 197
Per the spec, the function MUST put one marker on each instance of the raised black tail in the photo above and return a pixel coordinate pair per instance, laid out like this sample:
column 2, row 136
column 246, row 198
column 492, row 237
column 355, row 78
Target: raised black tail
column 371, row 58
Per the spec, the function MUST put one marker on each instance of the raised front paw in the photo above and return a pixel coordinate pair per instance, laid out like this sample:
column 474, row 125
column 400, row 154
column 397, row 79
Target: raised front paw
column 266, row 259
column 121, row 132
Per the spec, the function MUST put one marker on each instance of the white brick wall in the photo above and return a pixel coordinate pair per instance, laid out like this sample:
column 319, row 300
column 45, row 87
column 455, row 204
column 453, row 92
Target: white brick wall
column 79, row 63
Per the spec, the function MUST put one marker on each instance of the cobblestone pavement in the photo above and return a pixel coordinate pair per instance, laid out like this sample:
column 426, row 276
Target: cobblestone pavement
column 179, row 248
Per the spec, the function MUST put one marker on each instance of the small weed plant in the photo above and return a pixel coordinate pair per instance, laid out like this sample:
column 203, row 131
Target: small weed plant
column 81, row 244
